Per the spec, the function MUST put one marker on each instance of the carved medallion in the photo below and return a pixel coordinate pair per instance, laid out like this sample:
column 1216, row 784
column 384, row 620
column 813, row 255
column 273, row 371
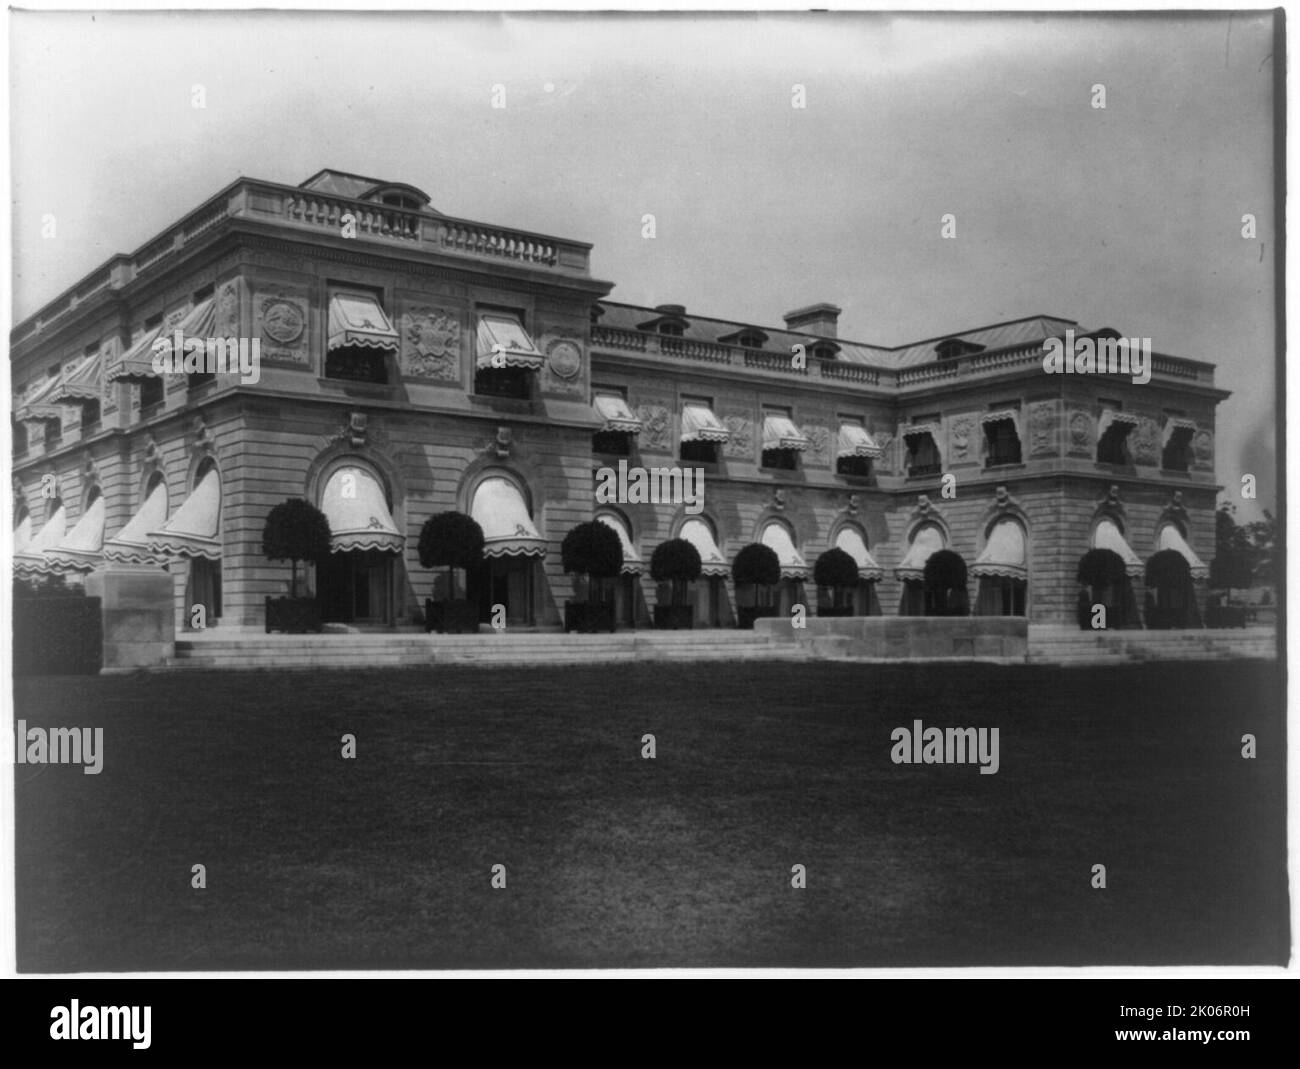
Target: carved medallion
column 282, row 320
column 564, row 358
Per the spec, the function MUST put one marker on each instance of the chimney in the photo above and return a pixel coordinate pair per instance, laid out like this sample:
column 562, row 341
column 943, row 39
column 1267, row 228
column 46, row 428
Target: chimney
column 820, row 319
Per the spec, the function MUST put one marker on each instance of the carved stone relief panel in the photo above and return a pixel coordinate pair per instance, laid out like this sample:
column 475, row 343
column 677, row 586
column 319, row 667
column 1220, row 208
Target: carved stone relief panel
column 430, row 342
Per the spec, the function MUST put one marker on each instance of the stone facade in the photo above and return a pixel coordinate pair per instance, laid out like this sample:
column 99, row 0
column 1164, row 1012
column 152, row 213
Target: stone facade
column 271, row 259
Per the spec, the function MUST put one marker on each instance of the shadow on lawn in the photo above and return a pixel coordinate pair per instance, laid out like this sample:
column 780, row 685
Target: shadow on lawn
column 314, row 861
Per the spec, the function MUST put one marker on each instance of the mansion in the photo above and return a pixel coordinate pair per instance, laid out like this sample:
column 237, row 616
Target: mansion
column 410, row 363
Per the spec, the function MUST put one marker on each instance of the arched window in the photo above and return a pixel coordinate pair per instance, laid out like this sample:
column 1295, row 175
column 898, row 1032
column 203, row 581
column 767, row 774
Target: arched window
column 1002, row 570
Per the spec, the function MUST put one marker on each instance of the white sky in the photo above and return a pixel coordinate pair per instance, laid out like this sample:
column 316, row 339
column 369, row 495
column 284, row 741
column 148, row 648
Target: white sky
column 1128, row 217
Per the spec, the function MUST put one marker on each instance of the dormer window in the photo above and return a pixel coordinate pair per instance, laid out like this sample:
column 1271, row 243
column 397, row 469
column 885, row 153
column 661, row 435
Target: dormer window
column 672, row 330
column 950, row 347
column 824, row 350
column 750, row 339
column 400, row 200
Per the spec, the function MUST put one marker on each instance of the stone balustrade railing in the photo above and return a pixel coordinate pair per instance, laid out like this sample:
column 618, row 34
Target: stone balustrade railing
column 307, row 209
column 919, row 376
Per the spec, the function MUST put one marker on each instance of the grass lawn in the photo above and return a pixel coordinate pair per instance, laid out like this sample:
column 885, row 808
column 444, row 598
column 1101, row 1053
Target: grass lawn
column 314, row 861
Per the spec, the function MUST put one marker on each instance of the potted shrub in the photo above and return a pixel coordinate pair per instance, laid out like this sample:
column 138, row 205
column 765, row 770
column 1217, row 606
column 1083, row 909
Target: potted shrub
column 295, row 530
column 1103, row 581
column 592, row 549
column 837, row 572
column 944, row 584
column 450, row 540
column 758, row 567
column 677, row 562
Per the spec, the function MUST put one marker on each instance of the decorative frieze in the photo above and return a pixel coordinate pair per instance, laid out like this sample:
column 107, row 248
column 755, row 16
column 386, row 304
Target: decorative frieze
column 740, row 444
column 963, row 446
column 1203, row 451
column 431, row 342
column 1082, row 435
column 817, row 454
column 1043, row 429
column 1145, row 442
column 656, row 423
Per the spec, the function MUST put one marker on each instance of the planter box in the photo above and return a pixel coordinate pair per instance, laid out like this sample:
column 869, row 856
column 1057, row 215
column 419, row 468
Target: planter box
column 674, row 617
column 458, row 617
column 747, row 614
column 293, row 614
column 588, row 617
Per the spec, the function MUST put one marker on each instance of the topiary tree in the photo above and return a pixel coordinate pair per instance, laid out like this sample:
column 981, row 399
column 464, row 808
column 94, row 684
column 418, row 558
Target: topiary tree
column 450, row 540
column 1168, row 568
column 945, row 572
column 757, row 565
column 838, row 571
column 592, row 549
column 295, row 530
column 677, row 562
column 1101, row 567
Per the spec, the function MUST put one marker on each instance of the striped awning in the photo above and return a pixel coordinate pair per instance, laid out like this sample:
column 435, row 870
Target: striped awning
column 699, row 424
column 1170, row 537
column 357, row 321
column 926, row 542
column 32, row 559
column 851, row 541
column 193, row 530
column 1004, row 415
column 1176, row 423
column 779, row 432
column 697, row 533
column 39, row 406
column 502, row 342
column 136, row 364
column 917, row 430
column 855, row 441
column 508, row 529
column 1004, row 553
column 618, row 417
column 23, row 533
column 81, row 549
column 358, row 515
column 1108, row 536
column 131, row 544
column 1110, row 415
column 793, row 566
column 82, row 383
column 631, row 558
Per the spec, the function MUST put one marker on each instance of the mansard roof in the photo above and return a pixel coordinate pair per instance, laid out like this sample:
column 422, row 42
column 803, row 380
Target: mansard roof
column 1026, row 331
column 360, row 187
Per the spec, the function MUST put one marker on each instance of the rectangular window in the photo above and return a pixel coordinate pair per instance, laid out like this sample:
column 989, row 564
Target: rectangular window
column 361, row 340
column 506, row 359
column 151, row 395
